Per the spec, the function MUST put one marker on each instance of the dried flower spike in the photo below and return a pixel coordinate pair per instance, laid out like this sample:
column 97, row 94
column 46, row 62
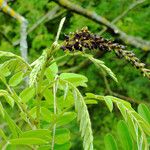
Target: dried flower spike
column 84, row 39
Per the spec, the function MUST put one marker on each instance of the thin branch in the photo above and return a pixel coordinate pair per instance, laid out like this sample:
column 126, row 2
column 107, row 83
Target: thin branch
column 135, row 41
column 132, row 100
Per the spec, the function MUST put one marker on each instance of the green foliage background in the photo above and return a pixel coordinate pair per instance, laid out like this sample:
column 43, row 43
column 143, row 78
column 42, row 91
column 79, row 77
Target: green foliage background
column 131, row 83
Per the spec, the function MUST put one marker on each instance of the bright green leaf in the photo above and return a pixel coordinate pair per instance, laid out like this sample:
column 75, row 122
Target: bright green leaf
column 62, row 136
column 109, row 103
column 7, row 97
column 110, row 143
column 144, row 112
column 27, row 94
column 66, row 118
column 27, row 141
column 51, row 71
column 46, row 114
column 124, row 135
column 39, row 133
column 75, row 79
column 16, row 79
column 65, row 146
column 4, row 70
column 2, row 110
column 2, row 134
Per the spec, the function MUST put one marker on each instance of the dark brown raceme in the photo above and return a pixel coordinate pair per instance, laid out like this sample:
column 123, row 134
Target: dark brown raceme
column 84, row 39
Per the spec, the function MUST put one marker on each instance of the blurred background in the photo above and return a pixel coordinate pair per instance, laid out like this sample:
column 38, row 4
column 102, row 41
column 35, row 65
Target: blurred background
column 130, row 16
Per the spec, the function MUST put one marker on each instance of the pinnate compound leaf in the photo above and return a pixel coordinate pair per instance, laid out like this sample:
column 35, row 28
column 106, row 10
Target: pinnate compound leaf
column 110, row 143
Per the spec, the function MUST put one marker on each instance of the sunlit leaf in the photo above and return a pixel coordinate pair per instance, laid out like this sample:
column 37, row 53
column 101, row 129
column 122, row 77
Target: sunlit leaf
column 62, row 136
column 109, row 103
column 75, row 79
column 16, row 79
column 144, row 112
column 110, row 142
column 27, row 94
column 124, row 134
column 27, row 141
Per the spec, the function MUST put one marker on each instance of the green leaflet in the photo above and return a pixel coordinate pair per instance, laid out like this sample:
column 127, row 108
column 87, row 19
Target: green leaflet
column 62, row 136
column 66, row 118
column 110, row 143
column 2, row 134
column 51, row 71
column 7, row 97
column 12, row 125
column 4, row 70
column 16, row 79
column 65, row 146
column 27, row 94
column 2, row 110
column 47, row 115
column 39, row 133
column 109, row 103
column 75, row 79
column 124, row 135
column 27, row 141
column 144, row 112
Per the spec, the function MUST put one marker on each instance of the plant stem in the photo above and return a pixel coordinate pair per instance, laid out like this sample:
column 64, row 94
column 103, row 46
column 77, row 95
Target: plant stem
column 55, row 111
column 39, row 93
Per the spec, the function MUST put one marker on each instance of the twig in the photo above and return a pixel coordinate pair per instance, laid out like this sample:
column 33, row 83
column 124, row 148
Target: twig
column 137, row 42
column 119, row 95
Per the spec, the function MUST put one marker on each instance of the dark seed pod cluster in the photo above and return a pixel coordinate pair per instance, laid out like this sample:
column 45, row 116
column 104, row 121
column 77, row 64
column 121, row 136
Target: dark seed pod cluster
column 84, row 39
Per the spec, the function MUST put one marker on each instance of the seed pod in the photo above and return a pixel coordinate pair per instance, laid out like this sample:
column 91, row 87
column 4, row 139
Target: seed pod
column 85, row 39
